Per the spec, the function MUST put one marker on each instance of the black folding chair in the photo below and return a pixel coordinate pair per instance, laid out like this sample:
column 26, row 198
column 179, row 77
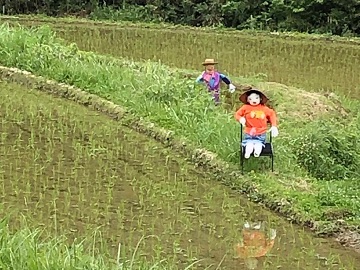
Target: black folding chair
column 268, row 151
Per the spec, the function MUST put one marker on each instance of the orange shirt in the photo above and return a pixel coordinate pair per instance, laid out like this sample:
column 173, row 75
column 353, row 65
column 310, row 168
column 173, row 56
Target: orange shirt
column 256, row 117
column 254, row 244
column 254, row 251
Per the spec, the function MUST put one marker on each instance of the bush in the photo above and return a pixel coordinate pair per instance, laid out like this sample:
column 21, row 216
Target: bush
column 328, row 151
column 132, row 13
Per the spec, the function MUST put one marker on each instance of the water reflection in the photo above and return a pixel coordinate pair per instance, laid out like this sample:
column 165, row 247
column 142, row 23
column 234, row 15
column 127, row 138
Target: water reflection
column 257, row 242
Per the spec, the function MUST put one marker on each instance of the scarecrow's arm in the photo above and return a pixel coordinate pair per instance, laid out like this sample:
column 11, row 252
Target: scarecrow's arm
column 271, row 115
column 240, row 113
column 225, row 79
column 241, row 251
column 200, row 78
column 264, row 250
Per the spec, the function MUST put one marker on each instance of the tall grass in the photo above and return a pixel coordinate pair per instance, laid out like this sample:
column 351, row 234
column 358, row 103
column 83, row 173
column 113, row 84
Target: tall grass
column 156, row 92
column 28, row 249
column 34, row 249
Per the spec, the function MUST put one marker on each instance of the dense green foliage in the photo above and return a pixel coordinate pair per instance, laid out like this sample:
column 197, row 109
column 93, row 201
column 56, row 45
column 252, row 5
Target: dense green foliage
column 329, row 151
column 339, row 17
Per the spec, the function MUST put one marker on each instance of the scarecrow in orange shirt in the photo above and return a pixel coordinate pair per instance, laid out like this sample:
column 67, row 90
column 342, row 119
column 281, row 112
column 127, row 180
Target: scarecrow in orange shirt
column 255, row 115
column 255, row 244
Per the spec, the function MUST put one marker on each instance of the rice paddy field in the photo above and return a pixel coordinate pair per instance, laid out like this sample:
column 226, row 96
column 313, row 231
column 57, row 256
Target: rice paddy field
column 297, row 63
column 78, row 174
column 131, row 203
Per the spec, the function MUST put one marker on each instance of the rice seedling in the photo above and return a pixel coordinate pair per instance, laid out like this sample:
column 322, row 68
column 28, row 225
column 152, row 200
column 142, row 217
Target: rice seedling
column 91, row 174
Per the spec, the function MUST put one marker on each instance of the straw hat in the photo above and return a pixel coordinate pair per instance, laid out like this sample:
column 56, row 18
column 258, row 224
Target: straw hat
column 244, row 96
column 209, row 62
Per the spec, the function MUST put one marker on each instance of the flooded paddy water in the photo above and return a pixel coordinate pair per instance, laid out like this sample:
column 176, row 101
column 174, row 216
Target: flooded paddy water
column 71, row 170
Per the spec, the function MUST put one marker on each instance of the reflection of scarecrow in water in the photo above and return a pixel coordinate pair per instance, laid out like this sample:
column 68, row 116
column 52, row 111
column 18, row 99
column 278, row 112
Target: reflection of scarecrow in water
column 255, row 244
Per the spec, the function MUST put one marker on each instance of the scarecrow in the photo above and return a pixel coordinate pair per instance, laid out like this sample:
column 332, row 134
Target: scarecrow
column 254, row 115
column 212, row 78
column 255, row 244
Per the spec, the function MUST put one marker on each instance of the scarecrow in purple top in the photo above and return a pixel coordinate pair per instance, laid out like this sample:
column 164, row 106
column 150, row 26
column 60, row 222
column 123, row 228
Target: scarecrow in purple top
column 212, row 78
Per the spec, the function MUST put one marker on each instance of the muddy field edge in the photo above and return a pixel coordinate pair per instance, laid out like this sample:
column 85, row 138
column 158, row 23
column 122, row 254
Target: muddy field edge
column 226, row 173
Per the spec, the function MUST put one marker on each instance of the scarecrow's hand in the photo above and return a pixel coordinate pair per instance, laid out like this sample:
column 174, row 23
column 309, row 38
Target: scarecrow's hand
column 242, row 121
column 232, row 88
column 272, row 234
column 274, row 131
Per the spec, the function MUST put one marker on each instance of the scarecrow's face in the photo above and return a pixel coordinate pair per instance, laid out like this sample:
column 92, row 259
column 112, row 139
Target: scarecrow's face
column 210, row 68
column 254, row 99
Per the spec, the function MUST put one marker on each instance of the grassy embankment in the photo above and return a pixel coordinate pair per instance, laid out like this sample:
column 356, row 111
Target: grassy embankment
column 318, row 124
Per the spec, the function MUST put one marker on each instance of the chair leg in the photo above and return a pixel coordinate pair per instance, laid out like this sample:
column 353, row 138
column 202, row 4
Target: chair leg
column 241, row 160
column 272, row 163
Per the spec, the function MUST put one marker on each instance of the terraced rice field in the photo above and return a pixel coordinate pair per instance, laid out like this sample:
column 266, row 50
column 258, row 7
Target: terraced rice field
column 306, row 63
column 72, row 171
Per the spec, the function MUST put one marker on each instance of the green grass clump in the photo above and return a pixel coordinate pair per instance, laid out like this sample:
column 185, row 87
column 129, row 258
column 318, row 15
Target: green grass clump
column 329, row 151
column 164, row 96
column 27, row 249
column 35, row 249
